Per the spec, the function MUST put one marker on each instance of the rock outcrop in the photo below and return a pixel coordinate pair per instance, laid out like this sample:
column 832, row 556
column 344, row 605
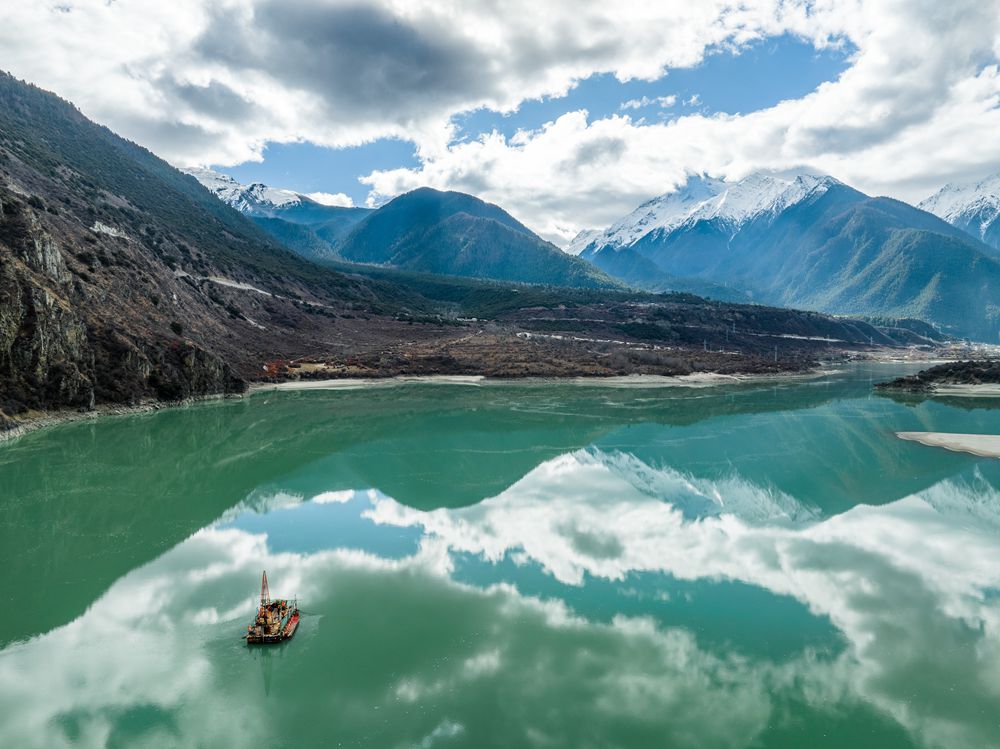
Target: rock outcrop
column 56, row 351
column 974, row 372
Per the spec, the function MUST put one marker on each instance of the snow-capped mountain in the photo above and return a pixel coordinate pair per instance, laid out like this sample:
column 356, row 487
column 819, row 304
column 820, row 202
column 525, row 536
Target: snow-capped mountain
column 310, row 227
column 582, row 240
column 808, row 241
column 256, row 199
column 973, row 207
column 423, row 230
column 731, row 205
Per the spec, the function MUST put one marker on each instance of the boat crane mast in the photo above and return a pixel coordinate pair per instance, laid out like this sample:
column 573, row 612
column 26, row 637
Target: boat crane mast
column 265, row 594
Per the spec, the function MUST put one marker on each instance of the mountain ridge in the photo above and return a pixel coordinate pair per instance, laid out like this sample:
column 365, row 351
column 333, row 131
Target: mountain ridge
column 471, row 237
column 702, row 198
column 458, row 234
column 123, row 280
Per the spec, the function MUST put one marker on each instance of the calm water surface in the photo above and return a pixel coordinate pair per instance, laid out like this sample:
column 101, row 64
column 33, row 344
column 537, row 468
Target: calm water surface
column 507, row 566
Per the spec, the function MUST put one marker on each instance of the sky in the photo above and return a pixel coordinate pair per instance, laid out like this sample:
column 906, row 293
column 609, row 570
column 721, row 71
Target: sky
column 567, row 114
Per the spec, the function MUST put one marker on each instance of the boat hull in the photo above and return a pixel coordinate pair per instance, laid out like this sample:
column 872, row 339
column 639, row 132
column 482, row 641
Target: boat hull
column 286, row 633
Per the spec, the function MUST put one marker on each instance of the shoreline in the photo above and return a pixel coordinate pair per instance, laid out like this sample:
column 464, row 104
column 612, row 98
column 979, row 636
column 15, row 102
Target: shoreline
column 947, row 390
column 698, row 380
column 965, row 378
column 46, row 419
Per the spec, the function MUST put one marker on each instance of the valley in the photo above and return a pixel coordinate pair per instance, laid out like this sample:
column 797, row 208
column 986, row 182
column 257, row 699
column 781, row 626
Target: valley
column 125, row 281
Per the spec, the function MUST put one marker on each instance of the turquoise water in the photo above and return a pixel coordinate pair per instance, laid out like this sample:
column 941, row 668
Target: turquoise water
column 510, row 566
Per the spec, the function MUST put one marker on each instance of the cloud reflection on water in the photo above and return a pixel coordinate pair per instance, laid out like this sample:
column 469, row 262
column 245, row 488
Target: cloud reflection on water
column 392, row 650
column 909, row 584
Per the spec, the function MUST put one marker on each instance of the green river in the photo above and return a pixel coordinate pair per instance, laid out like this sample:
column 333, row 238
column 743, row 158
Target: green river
column 507, row 565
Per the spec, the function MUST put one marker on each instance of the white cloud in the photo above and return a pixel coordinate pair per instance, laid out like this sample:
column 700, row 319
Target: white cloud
column 335, row 497
column 331, row 198
column 212, row 82
column 693, row 100
column 664, row 102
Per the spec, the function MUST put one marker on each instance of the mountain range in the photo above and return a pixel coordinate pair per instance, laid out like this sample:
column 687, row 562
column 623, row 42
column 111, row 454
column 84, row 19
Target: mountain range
column 424, row 230
column 806, row 240
column 123, row 279
column 799, row 239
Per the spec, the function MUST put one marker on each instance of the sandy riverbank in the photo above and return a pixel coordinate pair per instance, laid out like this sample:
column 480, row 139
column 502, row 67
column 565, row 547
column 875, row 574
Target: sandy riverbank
column 983, row 445
column 359, row 383
column 699, row 380
column 984, row 390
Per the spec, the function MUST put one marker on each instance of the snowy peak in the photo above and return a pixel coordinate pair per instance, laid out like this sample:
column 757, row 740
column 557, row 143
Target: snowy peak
column 663, row 212
column 764, row 193
column 273, row 196
column 732, row 204
column 582, row 240
column 256, row 199
column 211, row 179
column 955, row 199
column 972, row 206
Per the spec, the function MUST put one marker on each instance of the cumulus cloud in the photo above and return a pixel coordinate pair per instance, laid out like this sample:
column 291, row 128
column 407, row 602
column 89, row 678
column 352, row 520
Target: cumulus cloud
column 212, row 82
column 332, row 198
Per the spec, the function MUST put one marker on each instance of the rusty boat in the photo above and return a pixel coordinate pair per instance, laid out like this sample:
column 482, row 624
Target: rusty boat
column 276, row 620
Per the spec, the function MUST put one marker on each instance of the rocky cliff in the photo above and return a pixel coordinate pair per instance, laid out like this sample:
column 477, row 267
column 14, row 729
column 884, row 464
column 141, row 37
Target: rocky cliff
column 58, row 350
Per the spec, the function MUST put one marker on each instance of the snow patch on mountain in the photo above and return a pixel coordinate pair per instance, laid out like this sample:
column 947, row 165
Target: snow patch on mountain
column 734, row 204
column 973, row 206
column 102, row 228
